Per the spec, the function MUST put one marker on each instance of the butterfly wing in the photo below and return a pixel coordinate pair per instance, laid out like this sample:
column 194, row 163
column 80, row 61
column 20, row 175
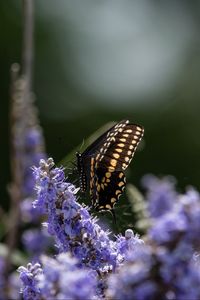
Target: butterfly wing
column 86, row 159
column 120, row 146
column 106, row 188
column 104, row 161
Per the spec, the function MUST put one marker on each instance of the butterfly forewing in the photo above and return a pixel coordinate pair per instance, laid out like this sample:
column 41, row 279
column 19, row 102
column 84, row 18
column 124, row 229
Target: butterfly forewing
column 120, row 146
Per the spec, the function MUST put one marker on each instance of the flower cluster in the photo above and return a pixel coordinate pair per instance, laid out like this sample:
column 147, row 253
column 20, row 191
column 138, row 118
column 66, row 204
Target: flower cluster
column 59, row 278
column 165, row 267
column 71, row 223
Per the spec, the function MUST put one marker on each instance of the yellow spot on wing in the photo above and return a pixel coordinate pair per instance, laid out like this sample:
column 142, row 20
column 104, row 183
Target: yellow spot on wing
column 120, row 145
column 113, row 162
column 138, row 132
column 124, row 166
column 111, row 169
column 122, row 140
column 127, row 159
column 118, row 192
column 116, row 155
column 121, row 175
column 112, row 139
column 108, row 174
column 112, row 200
column 121, row 183
column 108, row 206
column 118, row 150
column 129, row 130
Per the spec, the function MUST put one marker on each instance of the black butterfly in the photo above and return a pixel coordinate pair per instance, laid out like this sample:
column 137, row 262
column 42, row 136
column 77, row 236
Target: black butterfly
column 101, row 166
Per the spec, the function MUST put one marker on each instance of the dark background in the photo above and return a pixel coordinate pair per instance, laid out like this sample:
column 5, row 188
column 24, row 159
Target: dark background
column 101, row 61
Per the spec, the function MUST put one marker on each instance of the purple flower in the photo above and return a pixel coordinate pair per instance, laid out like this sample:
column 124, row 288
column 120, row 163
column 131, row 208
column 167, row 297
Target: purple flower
column 169, row 227
column 29, row 278
column 71, row 224
column 29, row 214
column 164, row 267
column 63, row 279
column 36, row 241
column 129, row 243
column 132, row 279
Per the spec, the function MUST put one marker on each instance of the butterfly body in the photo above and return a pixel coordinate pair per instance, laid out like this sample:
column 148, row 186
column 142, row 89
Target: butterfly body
column 101, row 166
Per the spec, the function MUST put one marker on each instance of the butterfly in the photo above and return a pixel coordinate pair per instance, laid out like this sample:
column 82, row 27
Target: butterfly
column 101, row 166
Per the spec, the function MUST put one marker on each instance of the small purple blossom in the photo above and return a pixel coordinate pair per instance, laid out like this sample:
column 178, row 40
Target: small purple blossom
column 29, row 278
column 129, row 243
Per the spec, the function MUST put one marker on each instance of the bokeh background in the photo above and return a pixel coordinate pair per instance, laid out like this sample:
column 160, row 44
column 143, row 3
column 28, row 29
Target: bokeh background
column 100, row 61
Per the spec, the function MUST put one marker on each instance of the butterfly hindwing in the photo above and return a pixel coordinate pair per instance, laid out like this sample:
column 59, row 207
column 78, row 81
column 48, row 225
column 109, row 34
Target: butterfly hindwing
column 102, row 193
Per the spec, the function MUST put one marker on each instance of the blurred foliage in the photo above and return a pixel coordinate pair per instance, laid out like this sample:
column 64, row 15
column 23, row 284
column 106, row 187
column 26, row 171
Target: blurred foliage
column 96, row 62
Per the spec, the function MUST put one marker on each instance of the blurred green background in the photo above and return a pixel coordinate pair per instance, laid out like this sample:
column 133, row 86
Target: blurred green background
column 101, row 61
